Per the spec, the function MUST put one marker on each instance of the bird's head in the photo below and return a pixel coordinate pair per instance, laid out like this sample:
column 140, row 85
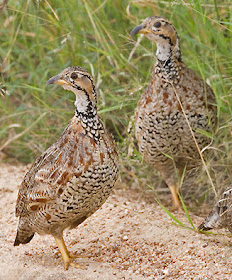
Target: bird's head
column 156, row 28
column 161, row 31
column 80, row 82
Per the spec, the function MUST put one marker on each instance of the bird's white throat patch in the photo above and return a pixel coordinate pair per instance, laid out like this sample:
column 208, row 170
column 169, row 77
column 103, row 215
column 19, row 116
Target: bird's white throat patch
column 81, row 102
column 164, row 48
column 163, row 51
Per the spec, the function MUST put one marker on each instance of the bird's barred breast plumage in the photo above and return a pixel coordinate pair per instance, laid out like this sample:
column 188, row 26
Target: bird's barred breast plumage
column 161, row 127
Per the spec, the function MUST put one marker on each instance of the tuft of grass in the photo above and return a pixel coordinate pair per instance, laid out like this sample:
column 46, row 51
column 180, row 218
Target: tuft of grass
column 40, row 38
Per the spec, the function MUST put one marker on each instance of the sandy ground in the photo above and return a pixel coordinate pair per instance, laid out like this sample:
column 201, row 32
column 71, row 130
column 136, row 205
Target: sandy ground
column 127, row 238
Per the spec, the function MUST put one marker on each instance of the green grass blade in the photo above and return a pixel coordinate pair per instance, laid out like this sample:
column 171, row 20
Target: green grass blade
column 186, row 211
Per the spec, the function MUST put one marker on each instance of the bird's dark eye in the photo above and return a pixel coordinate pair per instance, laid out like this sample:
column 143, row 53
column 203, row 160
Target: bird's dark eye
column 157, row 24
column 73, row 76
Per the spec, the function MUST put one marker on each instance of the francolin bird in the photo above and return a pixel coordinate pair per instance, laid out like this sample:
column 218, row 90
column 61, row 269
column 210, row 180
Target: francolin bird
column 174, row 100
column 221, row 215
column 72, row 178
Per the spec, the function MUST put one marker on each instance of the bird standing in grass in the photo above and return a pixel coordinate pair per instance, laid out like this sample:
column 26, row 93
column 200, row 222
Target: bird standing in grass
column 221, row 215
column 174, row 111
column 73, row 177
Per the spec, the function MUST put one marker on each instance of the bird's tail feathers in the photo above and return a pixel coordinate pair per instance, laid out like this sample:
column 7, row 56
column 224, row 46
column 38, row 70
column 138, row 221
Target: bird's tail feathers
column 24, row 233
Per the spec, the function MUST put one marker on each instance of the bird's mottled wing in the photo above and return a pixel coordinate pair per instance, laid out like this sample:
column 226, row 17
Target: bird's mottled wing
column 70, row 156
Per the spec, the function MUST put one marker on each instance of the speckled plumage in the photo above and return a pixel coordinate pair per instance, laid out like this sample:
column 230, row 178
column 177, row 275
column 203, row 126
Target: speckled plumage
column 221, row 215
column 73, row 177
column 161, row 128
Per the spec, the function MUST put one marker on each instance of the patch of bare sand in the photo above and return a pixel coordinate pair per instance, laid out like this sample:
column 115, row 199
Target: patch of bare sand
column 126, row 239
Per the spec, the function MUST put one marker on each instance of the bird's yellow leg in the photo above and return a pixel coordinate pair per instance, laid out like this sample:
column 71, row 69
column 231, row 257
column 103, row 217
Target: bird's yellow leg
column 65, row 254
column 175, row 197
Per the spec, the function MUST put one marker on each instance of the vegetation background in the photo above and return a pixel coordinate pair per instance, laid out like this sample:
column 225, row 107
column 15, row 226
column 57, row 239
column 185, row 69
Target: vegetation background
column 40, row 38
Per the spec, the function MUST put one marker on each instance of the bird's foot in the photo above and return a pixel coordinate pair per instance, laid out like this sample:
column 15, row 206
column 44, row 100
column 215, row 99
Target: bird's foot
column 68, row 260
column 68, row 263
column 66, row 255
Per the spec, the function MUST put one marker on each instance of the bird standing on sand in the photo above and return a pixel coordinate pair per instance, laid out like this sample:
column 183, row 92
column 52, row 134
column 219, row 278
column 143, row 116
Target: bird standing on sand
column 174, row 100
column 73, row 177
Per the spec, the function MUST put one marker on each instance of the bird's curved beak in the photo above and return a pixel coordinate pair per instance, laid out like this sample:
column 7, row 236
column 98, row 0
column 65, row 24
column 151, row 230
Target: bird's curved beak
column 56, row 80
column 140, row 29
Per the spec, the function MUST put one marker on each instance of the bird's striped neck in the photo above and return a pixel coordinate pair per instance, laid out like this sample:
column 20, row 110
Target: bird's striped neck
column 86, row 113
